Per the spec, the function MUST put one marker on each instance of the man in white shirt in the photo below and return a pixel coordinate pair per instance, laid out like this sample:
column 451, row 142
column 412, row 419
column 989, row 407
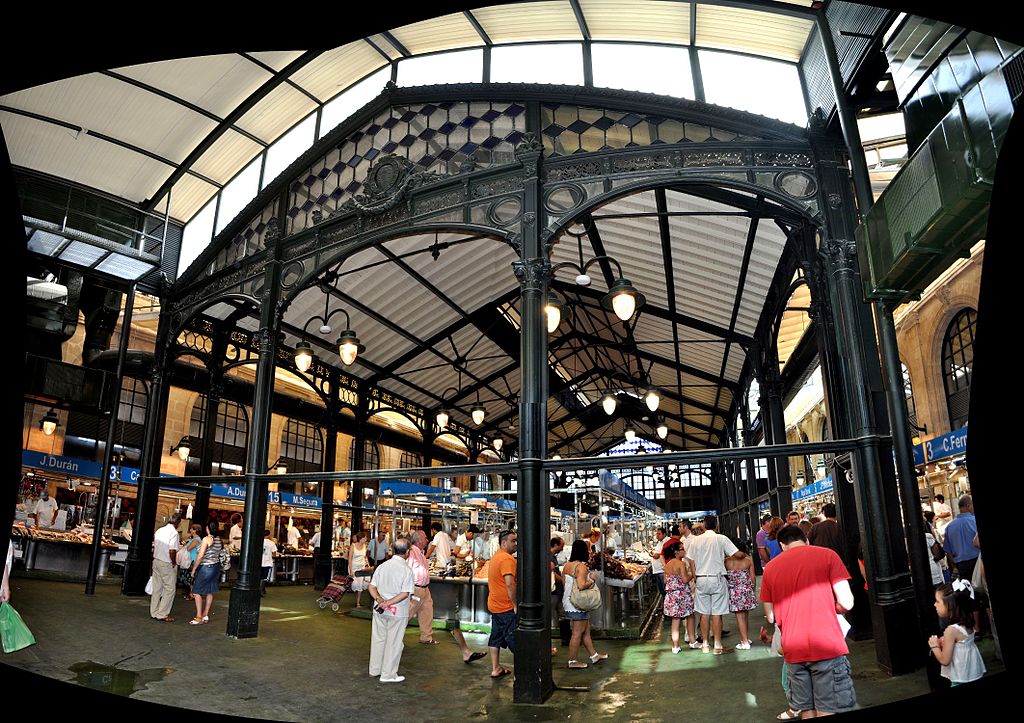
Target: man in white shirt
column 314, row 541
column 46, row 511
column 441, row 545
column 235, row 535
column 657, row 562
column 464, row 544
column 267, row 563
column 708, row 552
column 165, row 568
column 943, row 516
column 294, row 535
column 391, row 587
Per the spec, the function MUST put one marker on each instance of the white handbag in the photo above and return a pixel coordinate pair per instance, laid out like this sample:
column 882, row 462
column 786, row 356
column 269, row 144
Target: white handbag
column 149, row 586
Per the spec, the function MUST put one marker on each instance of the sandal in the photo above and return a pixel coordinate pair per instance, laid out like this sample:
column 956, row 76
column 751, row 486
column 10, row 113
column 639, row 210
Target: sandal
column 474, row 656
column 502, row 674
column 195, row 621
column 789, row 714
column 206, row 618
column 429, row 642
column 577, row 665
column 598, row 657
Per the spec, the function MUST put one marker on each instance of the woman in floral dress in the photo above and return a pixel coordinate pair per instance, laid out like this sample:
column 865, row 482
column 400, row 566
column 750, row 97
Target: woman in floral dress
column 678, row 596
column 740, row 578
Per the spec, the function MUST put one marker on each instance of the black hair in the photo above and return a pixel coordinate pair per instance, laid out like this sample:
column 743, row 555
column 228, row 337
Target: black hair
column 503, row 535
column 212, row 528
column 829, row 510
column 790, row 533
column 766, row 518
column 960, row 606
column 437, row 526
column 266, row 533
column 580, row 552
column 669, row 552
column 741, row 545
column 556, row 541
column 684, row 523
column 710, row 522
column 929, row 516
column 940, row 498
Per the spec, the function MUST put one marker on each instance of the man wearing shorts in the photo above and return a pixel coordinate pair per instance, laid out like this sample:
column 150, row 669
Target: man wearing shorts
column 708, row 552
column 804, row 590
column 501, row 601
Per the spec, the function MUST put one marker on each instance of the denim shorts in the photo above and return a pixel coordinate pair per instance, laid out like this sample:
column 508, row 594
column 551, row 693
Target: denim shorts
column 821, row 685
column 577, row 615
column 503, row 631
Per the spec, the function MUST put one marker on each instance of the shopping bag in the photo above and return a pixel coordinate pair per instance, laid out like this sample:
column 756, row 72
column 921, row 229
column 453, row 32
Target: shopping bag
column 13, row 630
column 149, row 586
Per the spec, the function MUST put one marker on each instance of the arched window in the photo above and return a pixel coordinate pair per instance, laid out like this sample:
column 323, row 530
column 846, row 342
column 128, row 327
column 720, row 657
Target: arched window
column 230, row 437
column 957, row 362
column 908, row 394
column 302, row 447
column 132, row 407
column 408, row 460
column 371, row 459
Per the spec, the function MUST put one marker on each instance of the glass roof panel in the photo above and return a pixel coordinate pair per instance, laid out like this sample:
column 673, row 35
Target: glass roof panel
column 752, row 31
column 287, row 148
column 558, row 64
column 661, row 22
column 461, row 66
column 235, row 195
column 337, row 69
column 444, row 33
column 753, row 84
column 666, row 70
column 198, row 233
column 353, row 99
column 523, row 22
column 188, row 195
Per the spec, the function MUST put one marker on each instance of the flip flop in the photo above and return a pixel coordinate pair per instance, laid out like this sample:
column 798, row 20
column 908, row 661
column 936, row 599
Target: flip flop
column 502, row 674
column 168, row 619
column 598, row 657
column 429, row 642
column 474, row 656
column 789, row 714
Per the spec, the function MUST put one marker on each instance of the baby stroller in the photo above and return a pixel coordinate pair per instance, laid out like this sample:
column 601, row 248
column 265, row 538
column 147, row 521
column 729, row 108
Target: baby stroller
column 335, row 590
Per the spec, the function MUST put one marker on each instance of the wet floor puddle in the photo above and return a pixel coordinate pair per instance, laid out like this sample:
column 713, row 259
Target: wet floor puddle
column 109, row 679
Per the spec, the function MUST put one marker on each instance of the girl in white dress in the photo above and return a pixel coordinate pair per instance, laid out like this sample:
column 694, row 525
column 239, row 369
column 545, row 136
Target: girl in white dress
column 956, row 650
column 356, row 562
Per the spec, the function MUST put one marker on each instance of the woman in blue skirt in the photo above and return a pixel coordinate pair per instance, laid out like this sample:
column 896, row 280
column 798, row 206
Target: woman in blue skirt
column 206, row 573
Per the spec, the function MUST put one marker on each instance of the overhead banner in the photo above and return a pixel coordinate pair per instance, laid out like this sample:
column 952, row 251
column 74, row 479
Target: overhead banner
column 75, row 467
column 237, row 492
column 948, row 445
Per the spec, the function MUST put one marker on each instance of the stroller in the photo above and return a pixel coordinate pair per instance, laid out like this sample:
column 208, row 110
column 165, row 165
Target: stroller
column 335, row 590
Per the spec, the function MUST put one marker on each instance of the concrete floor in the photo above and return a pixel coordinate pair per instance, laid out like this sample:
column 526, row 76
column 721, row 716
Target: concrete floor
column 311, row 664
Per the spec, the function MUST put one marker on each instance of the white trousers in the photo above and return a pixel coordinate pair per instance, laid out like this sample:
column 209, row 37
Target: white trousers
column 386, row 644
column 165, row 582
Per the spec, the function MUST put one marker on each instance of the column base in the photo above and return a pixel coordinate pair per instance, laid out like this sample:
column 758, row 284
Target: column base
column 322, row 571
column 533, row 683
column 899, row 647
column 244, row 612
column 136, row 575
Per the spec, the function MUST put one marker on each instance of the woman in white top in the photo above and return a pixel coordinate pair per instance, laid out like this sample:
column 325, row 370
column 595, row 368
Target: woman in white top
column 357, row 561
column 577, row 573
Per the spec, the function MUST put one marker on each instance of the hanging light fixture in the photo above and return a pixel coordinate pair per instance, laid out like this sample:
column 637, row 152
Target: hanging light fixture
column 662, row 429
column 630, row 432
column 498, row 441
column 304, row 356
column 477, row 412
column 608, row 401
column 49, row 422
column 349, row 347
column 554, row 310
column 653, row 399
column 183, row 448
column 623, row 299
column 442, row 418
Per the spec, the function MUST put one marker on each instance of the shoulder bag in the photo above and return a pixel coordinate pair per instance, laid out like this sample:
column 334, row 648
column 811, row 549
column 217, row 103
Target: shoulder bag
column 225, row 559
column 585, row 600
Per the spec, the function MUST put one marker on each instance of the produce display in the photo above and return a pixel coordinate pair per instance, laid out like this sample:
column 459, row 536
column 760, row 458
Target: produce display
column 614, row 568
column 79, row 538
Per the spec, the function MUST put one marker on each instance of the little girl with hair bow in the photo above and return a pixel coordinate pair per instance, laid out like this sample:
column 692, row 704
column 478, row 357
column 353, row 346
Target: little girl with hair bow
column 956, row 650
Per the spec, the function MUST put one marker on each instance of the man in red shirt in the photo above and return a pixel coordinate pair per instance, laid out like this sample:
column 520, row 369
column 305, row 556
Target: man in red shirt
column 803, row 590
column 501, row 600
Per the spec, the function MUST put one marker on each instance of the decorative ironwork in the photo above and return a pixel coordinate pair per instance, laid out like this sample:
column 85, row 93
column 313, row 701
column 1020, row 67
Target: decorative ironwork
column 573, row 172
column 530, row 144
column 647, row 162
column 508, row 184
column 439, row 201
column 713, row 158
column 773, row 158
column 842, row 255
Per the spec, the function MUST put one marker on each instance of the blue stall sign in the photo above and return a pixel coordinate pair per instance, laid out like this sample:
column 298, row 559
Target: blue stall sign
column 819, row 487
column 948, row 445
column 75, row 467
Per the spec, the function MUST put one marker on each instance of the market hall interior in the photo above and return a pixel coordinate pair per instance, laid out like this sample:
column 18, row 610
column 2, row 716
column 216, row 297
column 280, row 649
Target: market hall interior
column 505, row 302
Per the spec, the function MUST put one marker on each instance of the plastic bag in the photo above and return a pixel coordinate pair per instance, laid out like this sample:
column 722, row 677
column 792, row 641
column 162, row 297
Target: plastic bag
column 13, row 630
column 149, row 586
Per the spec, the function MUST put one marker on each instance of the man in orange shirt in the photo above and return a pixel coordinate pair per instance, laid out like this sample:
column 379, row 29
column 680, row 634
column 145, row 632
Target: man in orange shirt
column 501, row 600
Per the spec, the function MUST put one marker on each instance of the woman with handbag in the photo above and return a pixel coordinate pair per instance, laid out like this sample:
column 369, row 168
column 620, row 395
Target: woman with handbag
column 191, row 554
column 206, row 573
column 580, row 597
column 357, row 561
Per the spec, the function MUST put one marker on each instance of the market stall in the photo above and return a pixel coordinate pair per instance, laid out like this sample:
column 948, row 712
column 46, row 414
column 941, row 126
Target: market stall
column 942, row 467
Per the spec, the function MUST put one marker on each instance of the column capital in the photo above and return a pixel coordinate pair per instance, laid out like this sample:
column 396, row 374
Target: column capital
column 840, row 255
column 532, row 273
